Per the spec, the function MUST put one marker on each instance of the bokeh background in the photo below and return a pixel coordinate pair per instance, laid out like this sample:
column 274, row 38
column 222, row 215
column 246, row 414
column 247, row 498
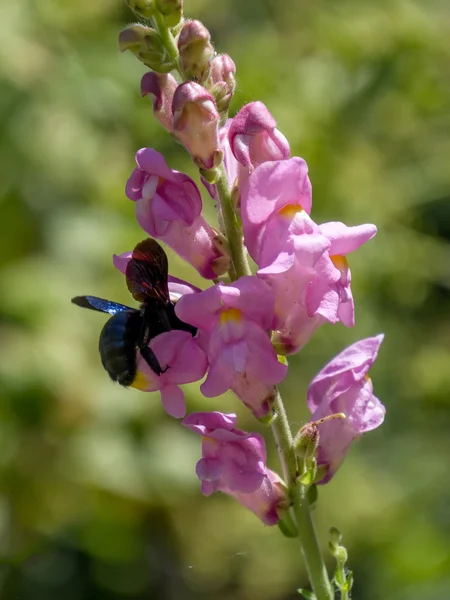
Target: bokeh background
column 98, row 495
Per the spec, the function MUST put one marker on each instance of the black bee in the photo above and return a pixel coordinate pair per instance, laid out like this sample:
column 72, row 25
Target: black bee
column 130, row 330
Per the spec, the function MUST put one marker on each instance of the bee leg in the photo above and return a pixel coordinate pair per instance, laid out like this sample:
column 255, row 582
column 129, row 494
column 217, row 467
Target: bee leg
column 150, row 358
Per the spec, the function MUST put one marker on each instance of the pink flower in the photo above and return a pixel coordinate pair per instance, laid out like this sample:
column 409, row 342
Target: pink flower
column 195, row 124
column 234, row 462
column 179, row 351
column 272, row 197
column 303, row 262
column 168, row 207
column 314, row 289
column 343, row 386
column 162, row 87
column 334, row 274
column 237, row 319
column 254, row 138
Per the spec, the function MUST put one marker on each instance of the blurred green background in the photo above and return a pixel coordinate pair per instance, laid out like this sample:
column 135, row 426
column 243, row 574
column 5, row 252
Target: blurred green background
column 98, row 494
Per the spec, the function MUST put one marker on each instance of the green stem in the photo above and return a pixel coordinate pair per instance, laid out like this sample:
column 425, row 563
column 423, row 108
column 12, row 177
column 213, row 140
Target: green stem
column 309, row 543
column 233, row 229
column 167, row 39
column 315, row 565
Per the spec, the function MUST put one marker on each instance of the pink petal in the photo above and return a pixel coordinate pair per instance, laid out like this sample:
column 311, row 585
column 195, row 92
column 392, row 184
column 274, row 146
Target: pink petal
column 208, row 469
column 172, row 398
column 346, row 239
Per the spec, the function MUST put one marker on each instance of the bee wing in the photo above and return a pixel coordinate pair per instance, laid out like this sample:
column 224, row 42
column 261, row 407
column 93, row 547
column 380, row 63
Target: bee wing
column 100, row 304
column 147, row 273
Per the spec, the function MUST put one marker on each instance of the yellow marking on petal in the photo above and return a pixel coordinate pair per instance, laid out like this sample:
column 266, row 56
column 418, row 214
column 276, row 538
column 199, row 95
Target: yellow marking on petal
column 230, row 314
column 367, row 377
column 290, row 210
column 210, row 441
column 339, row 261
column 141, row 381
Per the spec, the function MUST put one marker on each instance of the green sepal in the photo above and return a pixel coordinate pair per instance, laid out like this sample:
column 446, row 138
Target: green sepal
column 268, row 419
column 287, row 526
column 312, row 494
column 307, row 594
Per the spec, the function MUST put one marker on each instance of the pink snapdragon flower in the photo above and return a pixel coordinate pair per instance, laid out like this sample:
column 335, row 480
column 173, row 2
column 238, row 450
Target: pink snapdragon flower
column 237, row 319
column 254, row 138
column 274, row 198
column 234, row 462
column 179, row 351
column 196, row 123
column 168, row 207
column 303, row 262
column 343, row 386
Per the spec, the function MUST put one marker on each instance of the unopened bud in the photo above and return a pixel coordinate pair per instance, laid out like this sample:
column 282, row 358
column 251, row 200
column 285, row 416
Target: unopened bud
column 143, row 8
column 254, row 138
column 221, row 265
column 172, row 11
column 222, row 81
column 161, row 86
column 195, row 124
column 196, row 50
column 335, row 536
column 307, row 440
column 147, row 45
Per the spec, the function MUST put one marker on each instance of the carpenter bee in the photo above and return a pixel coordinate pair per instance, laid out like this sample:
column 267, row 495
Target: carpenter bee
column 130, row 330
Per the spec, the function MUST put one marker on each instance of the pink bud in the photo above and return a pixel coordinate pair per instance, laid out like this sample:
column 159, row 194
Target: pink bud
column 254, row 138
column 162, row 86
column 195, row 123
column 196, row 50
column 222, row 79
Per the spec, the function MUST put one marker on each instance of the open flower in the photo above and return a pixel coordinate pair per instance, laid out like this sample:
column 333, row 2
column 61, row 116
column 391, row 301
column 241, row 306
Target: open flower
column 234, row 462
column 276, row 195
column 343, row 386
column 168, row 207
column 186, row 363
column 237, row 319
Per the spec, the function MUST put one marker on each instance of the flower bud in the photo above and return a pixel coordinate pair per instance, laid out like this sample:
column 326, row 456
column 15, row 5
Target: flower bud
column 195, row 123
column 254, row 138
column 196, row 50
column 172, row 11
column 223, row 82
column 162, row 87
column 147, row 45
column 143, row 8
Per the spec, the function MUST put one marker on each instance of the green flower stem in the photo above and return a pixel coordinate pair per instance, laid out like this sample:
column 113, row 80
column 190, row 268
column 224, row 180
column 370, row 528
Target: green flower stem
column 312, row 555
column 233, row 229
column 167, row 39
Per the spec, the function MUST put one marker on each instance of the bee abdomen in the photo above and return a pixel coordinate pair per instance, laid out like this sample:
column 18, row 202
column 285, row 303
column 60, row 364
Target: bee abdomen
column 117, row 346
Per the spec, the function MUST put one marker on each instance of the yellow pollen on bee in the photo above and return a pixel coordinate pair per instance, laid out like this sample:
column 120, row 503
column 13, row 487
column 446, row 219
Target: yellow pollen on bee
column 230, row 314
column 141, row 381
column 339, row 261
column 290, row 210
